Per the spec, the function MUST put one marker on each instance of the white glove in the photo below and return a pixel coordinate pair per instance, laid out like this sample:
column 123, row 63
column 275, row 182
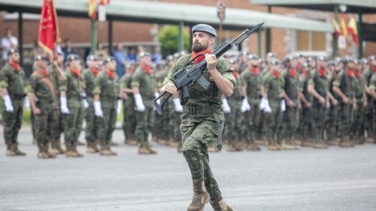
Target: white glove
column 283, row 105
column 225, row 106
column 84, row 101
column 140, row 107
column 245, row 105
column 267, row 108
column 156, row 95
column 177, row 104
column 98, row 109
column 26, row 103
column 263, row 103
column 8, row 104
column 63, row 107
column 119, row 106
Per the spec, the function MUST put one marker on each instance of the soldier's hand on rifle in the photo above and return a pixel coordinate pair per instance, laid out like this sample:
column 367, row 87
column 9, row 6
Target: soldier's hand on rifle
column 170, row 88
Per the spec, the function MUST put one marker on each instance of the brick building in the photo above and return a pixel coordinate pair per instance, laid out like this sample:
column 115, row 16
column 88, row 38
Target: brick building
column 133, row 33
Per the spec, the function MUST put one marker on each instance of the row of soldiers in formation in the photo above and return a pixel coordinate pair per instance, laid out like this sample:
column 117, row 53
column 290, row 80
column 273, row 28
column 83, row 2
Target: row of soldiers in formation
column 301, row 101
column 307, row 101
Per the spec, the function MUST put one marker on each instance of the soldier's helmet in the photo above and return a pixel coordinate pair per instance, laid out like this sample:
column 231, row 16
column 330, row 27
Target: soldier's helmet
column 92, row 58
column 322, row 58
column 73, row 57
column 143, row 54
column 107, row 60
column 12, row 51
column 40, row 58
column 271, row 55
column 253, row 57
column 289, row 58
column 371, row 58
column 232, row 61
column 274, row 61
column 348, row 59
column 364, row 61
column 170, row 58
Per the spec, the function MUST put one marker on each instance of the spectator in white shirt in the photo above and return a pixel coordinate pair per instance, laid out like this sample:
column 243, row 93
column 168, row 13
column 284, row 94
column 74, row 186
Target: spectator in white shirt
column 7, row 43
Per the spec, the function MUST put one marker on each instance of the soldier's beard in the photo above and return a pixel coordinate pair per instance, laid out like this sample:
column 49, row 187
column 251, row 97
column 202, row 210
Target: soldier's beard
column 197, row 47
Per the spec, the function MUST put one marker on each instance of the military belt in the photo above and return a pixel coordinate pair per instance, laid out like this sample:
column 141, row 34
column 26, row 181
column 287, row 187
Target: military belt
column 197, row 110
column 17, row 97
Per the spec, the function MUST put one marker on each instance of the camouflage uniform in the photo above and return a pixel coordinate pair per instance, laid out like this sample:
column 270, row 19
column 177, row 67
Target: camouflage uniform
column 319, row 111
column 59, row 123
column 91, row 129
column 44, row 122
column 14, row 81
column 202, row 122
column 145, row 119
column 291, row 115
column 333, row 116
column 345, row 83
column 129, row 117
column 273, row 87
column 73, row 86
column 108, row 90
column 372, row 86
column 252, row 82
column 307, row 113
column 356, row 127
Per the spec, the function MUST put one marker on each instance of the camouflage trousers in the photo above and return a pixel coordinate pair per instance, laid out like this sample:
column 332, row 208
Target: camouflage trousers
column 291, row 123
column 332, row 123
column 106, row 125
column 370, row 119
column 251, row 122
column 58, row 126
column 345, row 120
column 44, row 125
column 129, row 120
column 144, row 124
column 306, row 124
column 162, row 125
column 92, row 127
column 197, row 134
column 73, row 125
column 233, row 122
column 319, row 115
column 357, row 125
column 12, row 122
column 273, row 122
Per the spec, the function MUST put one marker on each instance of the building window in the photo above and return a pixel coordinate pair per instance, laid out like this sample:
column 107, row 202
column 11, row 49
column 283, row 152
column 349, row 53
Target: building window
column 310, row 41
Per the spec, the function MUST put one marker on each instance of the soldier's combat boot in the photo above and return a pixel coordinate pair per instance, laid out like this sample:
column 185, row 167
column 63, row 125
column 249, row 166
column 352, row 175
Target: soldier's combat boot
column 109, row 149
column 113, row 143
column 69, row 151
column 58, row 147
column 74, row 152
column 200, row 196
column 17, row 151
column 54, row 147
column 49, row 152
column 148, row 147
column 142, row 150
column 104, row 150
column 10, row 151
column 42, row 153
column 90, row 147
column 220, row 205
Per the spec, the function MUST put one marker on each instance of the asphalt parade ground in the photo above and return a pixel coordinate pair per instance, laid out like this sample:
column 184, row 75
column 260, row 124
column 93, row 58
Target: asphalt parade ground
column 306, row 179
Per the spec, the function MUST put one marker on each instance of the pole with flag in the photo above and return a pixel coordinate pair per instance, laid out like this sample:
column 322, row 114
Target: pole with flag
column 49, row 34
column 353, row 31
column 221, row 15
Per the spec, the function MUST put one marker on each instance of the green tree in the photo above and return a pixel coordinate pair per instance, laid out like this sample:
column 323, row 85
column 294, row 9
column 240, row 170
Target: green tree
column 169, row 39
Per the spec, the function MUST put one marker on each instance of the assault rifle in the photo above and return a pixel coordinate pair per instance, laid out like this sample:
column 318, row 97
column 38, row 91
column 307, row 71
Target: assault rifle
column 183, row 78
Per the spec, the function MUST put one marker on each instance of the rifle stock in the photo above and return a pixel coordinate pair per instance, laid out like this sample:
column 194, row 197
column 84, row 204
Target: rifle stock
column 183, row 78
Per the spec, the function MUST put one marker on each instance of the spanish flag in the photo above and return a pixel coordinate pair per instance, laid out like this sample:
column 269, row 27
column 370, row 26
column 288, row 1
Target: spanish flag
column 353, row 31
column 92, row 12
column 343, row 26
column 336, row 27
column 49, row 33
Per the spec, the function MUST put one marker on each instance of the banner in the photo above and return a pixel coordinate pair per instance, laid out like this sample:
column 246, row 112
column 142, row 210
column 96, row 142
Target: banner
column 49, row 33
column 353, row 31
column 92, row 10
column 221, row 10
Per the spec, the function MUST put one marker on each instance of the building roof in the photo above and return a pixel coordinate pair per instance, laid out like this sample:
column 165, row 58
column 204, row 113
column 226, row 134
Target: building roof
column 171, row 13
column 352, row 6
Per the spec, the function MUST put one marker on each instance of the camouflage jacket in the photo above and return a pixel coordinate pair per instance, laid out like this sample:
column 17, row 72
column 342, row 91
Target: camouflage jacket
column 253, row 84
column 107, row 89
column 73, row 86
column 146, row 84
column 89, row 81
column 207, row 101
column 13, row 81
column 44, row 91
column 273, row 87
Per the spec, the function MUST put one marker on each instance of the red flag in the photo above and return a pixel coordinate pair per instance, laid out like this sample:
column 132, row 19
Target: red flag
column 352, row 29
column 49, row 33
column 92, row 12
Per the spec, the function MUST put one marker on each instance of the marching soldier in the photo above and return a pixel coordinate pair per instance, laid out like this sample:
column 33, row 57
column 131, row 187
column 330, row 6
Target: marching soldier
column 56, row 75
column 272, row 86
column 307, row 114
column 343, row 86
column 333, row 116
column 106, row 92
column 42, row 97
column 88, row 76
column 129, row 117
column 144, row 88
column 12, row 83
column 292, row 90
column 71, row 105
column 372, row 93
column 251, row 93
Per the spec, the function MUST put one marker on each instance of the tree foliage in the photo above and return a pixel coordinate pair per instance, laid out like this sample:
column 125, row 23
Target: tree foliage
column 169, row 39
